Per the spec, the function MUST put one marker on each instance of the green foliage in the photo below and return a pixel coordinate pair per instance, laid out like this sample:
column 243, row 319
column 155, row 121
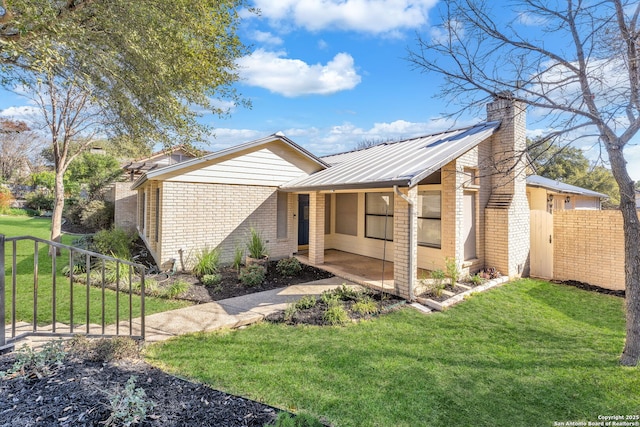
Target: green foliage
column 285, row 419
column 256, row 245
column 175, row 289
column 476, row 279
column 570, row 165
column 211, row 279
column 207, row 262
column 115, row 241
column 365, row 306
column 335, row 315
column 290, row 312
column 113, row 271
column 146, row 38
column 94, row 171
column 289, row 267
column 5, row 200
column 128, row 406
column 306, row 302
column 452, row 270
column 437, row 282
column 238, row 256
column 97, row 215
column 252, row 275
column 46, row 179
column 40, row 200
column 37, row 364
column 342, row 293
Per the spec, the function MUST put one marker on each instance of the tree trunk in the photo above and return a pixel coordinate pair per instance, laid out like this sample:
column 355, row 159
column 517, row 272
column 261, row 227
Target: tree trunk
column 631, row 353
column 58, row 206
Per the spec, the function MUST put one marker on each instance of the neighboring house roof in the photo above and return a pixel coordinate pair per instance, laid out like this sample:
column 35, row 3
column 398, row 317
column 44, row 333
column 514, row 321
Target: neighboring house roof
column 403, row 163
column 561, row 187
column 252, row 146
column 161, row 158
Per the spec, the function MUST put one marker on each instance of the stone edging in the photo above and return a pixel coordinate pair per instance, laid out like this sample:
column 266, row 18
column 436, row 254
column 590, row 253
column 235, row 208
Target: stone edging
column 440, row 306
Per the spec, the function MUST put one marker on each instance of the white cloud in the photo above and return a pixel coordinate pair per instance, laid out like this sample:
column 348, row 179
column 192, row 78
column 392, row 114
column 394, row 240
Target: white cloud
column 531, row 20
column 322, row 45
column 266, row 38
column 369, row 16
column 294, row 77
column 24, row 113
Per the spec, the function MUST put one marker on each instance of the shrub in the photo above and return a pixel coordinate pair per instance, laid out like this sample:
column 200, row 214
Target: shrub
column 114, row 271
column 207, row 262
column 308, row 301
column 365, row 306
column 256, row 245
column 252, row 275
column 452, row 270
column 32, row 364
column 6, row 198
column 344, row 293
column 476, row 279
column 238, row 255
column 39, row 200
column 175, row 289
column 290, row 312
column 97, row 215
column 289, row 267
column 115, row 241
column 128, row 406
column 211, row 279
column 335, row 314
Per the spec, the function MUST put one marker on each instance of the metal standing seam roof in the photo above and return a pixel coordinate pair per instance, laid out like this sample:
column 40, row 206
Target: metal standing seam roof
column 561, row 187
column 402, row 163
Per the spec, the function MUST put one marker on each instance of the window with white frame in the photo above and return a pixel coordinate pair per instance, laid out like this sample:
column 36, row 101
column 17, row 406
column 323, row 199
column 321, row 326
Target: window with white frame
column 429, row 219
column 282, row 226
column 379, row 216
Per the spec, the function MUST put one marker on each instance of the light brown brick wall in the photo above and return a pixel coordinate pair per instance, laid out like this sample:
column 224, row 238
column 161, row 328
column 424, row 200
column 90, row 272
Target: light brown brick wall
column 405, row 255
column 195, row 216
column 589, row 247
column 316, row 228
column 126, row 205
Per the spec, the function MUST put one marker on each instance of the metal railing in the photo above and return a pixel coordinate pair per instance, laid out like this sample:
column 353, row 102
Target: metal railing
column 83, row 266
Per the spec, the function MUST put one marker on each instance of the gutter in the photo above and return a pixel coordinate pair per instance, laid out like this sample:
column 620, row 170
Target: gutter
column 412, row 242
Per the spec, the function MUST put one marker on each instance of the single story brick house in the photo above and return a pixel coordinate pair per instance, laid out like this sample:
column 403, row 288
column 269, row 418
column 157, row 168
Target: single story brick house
column 456, row 194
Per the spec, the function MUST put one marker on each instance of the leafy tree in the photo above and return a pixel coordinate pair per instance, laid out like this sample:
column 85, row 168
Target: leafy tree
column 137, row 69
column 95, row 171
column 576, row 63
column 569, row 164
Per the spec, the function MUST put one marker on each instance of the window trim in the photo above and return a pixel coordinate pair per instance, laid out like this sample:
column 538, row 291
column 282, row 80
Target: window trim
column 387, row 216
column 431, row 218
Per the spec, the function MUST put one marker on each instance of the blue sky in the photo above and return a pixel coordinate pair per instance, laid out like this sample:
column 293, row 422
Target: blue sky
column 332, row 73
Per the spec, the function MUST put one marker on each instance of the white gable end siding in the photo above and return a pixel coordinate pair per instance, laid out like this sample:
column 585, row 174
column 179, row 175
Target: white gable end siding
column 262, row 167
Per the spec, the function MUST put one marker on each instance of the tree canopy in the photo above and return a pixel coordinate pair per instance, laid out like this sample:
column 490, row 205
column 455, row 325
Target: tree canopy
column 150, row 65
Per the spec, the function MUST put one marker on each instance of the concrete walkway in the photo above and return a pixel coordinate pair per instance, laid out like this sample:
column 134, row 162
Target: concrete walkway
column 228, row 313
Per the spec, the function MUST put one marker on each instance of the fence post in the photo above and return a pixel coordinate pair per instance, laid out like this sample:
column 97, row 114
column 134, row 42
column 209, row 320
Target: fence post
column 4, row 347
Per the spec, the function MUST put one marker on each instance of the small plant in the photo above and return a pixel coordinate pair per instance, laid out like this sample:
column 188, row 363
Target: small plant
column 452, row 270
column 207, row 262
column 238, row 256
column 114, row 271
column 210, row 280
column 6, row 198
column 290, row 312
column 437, row 285
column 345, row 293
column 176, row 288
column 289, row 267
column 31, row 364
column 252, row 275
column 256, row 246
column 115, row 241
column 365, row 306
column 308, row 301
column 128, row 406
column 336, row 314
column 476, row 279
column 302, row 420
column 490, row 273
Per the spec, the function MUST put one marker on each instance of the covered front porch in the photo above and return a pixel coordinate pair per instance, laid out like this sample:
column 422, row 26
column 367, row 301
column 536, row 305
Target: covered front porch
column 363, row 270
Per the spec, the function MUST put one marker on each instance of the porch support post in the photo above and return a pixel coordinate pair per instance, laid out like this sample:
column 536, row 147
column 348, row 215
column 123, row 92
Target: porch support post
column 405, row 237
column 316, row 228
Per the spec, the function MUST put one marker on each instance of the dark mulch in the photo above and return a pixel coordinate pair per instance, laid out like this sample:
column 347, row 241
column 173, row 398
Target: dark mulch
column 315, row 315
column 432, row 295
column 232, row 287
column 76, row 395
column 591, row 288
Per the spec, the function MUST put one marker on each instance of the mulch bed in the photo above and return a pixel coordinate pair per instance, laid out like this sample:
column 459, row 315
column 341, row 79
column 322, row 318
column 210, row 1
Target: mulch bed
column 77, row 395
column 232, row 287
column 591, row 288
column 443, row 297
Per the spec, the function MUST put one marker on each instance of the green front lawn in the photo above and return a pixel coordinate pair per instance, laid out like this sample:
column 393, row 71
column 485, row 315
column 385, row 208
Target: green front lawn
column 530, row 353
column 38, row 227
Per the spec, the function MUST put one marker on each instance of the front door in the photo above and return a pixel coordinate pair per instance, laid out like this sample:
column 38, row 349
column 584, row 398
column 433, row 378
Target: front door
column 303, row 219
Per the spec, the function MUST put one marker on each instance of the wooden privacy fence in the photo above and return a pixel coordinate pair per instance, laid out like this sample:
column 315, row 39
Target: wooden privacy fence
column 585, row 245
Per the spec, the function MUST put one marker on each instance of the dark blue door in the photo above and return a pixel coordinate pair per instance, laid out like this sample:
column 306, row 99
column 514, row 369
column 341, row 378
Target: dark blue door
column 303, row 219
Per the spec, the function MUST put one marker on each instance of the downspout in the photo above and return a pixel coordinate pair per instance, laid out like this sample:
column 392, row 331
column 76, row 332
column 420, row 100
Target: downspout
column 412, row 243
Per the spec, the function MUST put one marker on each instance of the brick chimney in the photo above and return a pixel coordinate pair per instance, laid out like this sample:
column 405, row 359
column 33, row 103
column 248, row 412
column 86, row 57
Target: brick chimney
column 507, row 212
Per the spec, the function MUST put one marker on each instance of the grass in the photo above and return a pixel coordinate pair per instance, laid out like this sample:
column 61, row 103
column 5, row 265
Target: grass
column 528, row 353
column 39, row 227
